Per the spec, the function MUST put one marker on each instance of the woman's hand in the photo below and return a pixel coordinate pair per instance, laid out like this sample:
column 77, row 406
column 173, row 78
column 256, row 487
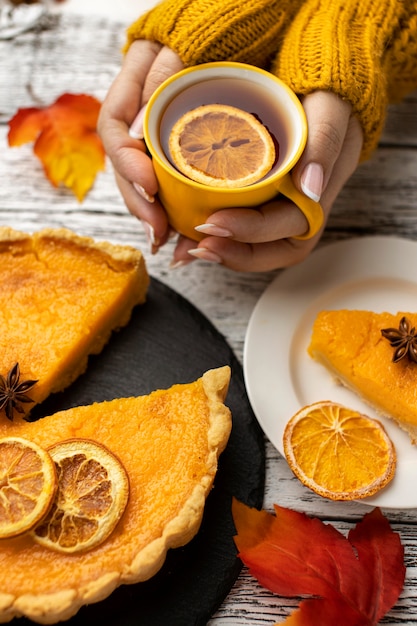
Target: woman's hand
column 249, row 240
column 263, row 239
column 146, row 65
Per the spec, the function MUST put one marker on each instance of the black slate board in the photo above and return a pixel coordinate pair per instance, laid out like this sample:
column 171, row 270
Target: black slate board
column 169, row 341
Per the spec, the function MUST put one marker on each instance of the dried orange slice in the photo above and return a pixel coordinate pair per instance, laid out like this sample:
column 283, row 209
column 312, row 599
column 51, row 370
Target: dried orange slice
column 27, row 485
column 221, row 146
column 338, row 452
column 93, row 490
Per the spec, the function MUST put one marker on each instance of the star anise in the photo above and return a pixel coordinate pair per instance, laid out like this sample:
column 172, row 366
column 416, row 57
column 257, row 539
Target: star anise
column 13, row 392
column 403, row 339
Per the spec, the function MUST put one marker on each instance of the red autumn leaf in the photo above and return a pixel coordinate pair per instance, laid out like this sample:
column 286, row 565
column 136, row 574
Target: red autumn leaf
column 359, row 577
column 66, row 140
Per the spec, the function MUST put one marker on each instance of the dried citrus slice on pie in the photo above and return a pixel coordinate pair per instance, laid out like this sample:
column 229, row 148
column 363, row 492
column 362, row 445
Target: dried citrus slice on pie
column 27, row 485
column 93, row 490
column 221, row 146
column 338, row 452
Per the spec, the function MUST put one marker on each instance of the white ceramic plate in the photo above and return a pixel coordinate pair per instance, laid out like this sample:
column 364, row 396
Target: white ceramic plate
column 373, row 273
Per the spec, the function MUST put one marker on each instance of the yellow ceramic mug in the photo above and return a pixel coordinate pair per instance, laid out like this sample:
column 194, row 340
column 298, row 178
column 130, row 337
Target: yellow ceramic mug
column 188, row 203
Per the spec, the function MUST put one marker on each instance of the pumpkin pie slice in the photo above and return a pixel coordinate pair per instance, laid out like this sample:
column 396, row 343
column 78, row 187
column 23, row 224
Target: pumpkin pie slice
column 61, row 296
column 169, row 443
column 350, row 343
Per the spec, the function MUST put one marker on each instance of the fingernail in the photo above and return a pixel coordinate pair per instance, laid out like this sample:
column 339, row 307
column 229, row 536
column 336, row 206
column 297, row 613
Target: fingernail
column 214, row 230
column 176, row 264
column 205, row 255
column 143, row 193
column 136, row 129
column 153, row 242
column 312, row 181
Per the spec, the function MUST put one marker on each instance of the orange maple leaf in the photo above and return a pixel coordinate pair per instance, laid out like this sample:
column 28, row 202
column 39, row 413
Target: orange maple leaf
column 353, row 580
column 66, row 140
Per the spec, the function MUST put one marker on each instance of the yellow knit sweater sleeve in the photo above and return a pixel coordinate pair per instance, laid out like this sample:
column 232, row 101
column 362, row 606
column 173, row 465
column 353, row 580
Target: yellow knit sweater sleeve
column 363, row 50
column 401, row 54
column 201, row 31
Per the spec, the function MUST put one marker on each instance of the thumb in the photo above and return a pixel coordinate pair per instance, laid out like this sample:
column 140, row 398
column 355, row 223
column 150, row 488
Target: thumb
column 328, row 121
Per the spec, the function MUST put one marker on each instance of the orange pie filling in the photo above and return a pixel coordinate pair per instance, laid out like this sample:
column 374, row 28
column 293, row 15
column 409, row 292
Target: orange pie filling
column 168, row 443
column 61, row 297
column 351, row 345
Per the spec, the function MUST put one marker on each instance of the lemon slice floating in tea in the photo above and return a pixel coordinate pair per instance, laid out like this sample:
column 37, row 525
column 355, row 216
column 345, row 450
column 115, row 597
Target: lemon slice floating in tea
column 221, row 146
column 27, row 485
column 338, row 452
column 93, row 490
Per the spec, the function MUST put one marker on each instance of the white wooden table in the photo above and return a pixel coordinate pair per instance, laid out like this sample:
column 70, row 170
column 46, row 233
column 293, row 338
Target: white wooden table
column 78, row 51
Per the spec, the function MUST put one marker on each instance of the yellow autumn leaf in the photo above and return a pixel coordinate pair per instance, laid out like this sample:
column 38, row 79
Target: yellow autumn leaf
column 65, row 140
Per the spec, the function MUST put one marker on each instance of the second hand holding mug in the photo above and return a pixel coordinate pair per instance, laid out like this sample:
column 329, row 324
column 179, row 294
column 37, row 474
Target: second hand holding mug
column 188, row 203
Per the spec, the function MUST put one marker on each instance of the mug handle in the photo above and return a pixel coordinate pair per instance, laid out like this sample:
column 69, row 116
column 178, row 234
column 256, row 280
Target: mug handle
column 312, row 210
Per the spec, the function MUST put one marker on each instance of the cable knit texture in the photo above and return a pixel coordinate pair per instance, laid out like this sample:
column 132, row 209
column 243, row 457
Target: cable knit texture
column 201, row 31
column 363, row 50
column 401, row 56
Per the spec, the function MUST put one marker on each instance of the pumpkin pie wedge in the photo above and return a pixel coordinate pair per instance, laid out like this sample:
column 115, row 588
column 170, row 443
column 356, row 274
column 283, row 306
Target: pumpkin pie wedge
column 61, row 296
column 351, row 345
column 169, row 443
